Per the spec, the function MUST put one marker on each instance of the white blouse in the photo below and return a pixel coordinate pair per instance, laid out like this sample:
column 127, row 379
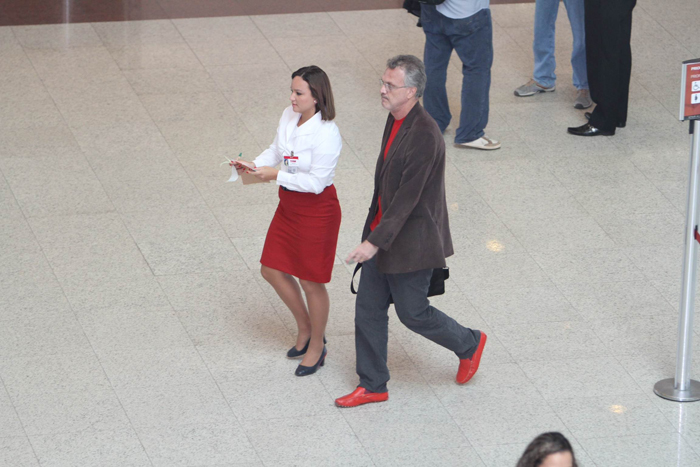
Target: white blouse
column 308, row 153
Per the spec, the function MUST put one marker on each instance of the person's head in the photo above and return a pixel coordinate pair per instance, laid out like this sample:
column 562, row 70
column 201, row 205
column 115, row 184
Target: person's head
column 311, row 91
column 403, row 82
column 548, row 450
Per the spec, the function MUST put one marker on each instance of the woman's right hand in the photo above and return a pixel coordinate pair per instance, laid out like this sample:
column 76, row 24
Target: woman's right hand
column 241, row 166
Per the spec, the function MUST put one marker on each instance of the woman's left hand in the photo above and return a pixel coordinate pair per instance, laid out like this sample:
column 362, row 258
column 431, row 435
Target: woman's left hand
column 266, row 173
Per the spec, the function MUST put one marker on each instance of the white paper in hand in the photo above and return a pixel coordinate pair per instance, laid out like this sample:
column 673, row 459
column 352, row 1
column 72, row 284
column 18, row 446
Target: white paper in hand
column 234, row 175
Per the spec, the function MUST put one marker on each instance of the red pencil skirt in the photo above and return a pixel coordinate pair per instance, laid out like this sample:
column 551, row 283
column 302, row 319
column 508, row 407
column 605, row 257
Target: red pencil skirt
column 303, row 235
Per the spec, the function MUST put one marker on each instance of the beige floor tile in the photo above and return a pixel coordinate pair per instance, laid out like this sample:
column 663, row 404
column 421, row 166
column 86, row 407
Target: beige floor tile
column 522, row 305
column 233, row 51
column 121, row 292
column 11, row 426
column 57, row 36
column 12, row 54
column 181, row 446
column 17, row 451
column 37, row 142
column 42, row 335
column 616, row 300
column 611, row 416
column 166, row 193
column 419, row 430
column 194, row 103
column 108, row 448
column 291, row 397
column 33, row 376
column 301, row 25
column 71, row 412
column 70, row 187
column 590, row 377
column 148, row 367
column 325, row 51
column 587, row 265
column 21, row 83
column 110, row 330
column 276, row 447
column 651, row 449
column 155, row 56
column 372, row 21
column 198, row 402
column 29, row 111
column 560, row 234
column 80, row 62
column 122, row 33
column 551, row 341
column 431, row 457
column 232, row 27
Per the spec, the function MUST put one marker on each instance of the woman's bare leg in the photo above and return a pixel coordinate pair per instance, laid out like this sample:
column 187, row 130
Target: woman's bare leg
column 289, row 291
column 319, row 307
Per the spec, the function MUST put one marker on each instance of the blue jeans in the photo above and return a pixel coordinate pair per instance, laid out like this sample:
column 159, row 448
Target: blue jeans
column 543, row 45
column 472, row 39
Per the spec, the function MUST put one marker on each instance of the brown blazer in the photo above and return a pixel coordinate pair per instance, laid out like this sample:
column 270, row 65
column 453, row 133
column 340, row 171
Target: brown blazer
column 414, row 232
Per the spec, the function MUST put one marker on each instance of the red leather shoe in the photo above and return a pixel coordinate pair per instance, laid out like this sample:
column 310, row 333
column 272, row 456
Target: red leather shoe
column 468, row 366
column 361, row 396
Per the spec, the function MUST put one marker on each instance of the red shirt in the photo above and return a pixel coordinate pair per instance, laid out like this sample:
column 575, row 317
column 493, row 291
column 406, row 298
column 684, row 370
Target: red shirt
column 394, row 130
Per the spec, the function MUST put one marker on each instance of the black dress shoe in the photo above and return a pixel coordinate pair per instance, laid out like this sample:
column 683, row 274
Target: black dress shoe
column 619, row 124
column 294, row 353
column 310, row 370
column 588, row 130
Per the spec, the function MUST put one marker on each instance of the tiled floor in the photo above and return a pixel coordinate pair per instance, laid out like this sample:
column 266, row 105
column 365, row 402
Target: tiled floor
column 135, row 329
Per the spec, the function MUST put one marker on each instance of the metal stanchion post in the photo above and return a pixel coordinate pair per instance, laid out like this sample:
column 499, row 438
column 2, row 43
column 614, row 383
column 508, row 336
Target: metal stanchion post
column 682, row 388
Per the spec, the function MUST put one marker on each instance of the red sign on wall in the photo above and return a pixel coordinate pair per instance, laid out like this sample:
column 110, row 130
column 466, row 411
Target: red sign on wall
column 690, row 90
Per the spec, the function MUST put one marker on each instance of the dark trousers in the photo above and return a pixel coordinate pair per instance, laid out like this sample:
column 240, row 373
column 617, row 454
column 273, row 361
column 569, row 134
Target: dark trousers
column 410, row 294
column 609, row 59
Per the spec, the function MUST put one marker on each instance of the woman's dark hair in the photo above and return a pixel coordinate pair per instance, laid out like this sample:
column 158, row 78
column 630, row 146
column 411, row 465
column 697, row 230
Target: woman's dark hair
column 544, row 445
column 321, row 90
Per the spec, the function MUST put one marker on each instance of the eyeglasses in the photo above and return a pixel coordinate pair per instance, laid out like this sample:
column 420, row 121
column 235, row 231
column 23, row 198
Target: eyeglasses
column 391, row 87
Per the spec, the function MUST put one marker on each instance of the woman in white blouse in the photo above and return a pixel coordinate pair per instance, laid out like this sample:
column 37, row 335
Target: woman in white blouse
column 303, row 235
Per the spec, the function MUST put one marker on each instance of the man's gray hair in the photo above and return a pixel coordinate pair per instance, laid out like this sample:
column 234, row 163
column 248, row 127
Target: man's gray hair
column 413, row 69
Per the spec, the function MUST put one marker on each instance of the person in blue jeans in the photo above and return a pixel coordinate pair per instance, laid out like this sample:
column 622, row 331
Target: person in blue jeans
column 543, row 48
column 464, row 26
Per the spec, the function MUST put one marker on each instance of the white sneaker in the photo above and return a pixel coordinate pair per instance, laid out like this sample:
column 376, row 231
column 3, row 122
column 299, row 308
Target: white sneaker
column 484, row 143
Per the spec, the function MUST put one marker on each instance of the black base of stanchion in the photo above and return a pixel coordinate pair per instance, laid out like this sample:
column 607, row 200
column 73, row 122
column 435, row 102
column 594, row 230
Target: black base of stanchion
column 666, row 388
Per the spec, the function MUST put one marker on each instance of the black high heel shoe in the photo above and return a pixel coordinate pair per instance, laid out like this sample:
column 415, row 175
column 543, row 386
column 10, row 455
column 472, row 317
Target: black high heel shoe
column 294, row 353
column 310, row 370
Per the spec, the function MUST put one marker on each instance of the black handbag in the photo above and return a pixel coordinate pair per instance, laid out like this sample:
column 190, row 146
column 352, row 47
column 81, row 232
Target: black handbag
column 413, row 6
column 437, row 281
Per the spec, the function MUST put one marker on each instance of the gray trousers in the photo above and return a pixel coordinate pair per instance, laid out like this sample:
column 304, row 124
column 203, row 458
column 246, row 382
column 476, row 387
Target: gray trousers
column 410, row 294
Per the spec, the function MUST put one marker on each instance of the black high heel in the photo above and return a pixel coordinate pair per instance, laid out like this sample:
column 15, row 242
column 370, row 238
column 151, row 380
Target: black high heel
column 294, row 353
column 310, row 370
